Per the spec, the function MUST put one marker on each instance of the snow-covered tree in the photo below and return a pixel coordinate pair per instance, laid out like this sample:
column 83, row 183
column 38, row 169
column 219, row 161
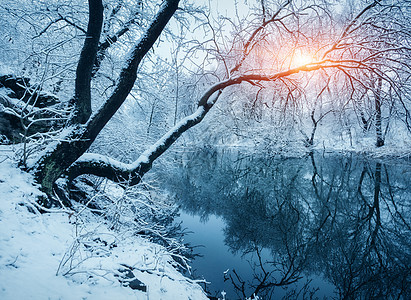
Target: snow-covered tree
column 276, row 44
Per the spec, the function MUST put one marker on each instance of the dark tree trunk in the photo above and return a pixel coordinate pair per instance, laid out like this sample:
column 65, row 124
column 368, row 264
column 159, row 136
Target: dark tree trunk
column 315, row 124
column 82, row 94
column 378, row 117
column 375, row 208
column 54, row 164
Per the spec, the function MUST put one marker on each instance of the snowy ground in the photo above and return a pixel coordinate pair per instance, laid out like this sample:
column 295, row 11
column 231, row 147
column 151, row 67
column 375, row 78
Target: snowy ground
column 58, row 256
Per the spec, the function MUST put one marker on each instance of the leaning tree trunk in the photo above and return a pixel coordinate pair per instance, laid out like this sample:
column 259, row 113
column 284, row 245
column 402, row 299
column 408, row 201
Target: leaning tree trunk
column 67, row 157
column 83, row 128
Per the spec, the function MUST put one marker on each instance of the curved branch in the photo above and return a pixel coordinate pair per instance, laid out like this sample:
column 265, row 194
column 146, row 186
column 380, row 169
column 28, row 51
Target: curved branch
column 348, row 27
column 103, row 166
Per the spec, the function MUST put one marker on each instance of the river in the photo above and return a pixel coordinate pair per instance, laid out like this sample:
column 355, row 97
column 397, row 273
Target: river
column 320, row 226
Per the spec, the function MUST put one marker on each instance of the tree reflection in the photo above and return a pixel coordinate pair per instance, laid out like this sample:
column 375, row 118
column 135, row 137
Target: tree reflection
column 344, row 218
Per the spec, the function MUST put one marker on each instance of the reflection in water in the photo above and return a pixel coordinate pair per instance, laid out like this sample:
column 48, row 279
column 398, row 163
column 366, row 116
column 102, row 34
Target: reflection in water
column 345, row 219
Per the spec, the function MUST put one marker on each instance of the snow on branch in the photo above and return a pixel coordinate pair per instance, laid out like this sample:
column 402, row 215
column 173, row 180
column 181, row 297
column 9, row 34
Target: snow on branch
column 100, row 165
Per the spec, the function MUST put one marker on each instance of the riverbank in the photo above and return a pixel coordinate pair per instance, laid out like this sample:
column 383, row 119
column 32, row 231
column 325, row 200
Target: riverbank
column 62, row 255
column 391, row 150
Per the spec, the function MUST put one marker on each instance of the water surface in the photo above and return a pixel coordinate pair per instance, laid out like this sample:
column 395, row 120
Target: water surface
column 321, row 226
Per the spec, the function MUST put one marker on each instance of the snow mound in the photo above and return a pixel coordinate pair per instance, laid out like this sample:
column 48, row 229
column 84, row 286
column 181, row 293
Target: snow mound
column 57, row 256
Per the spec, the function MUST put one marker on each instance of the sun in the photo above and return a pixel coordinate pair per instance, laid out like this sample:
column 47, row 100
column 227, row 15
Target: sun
column 300, row 59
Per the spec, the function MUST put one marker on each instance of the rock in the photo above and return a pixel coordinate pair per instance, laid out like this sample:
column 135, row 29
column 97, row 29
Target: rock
column 20, row 89
column 128, row 278
column 16, row 89
column 10, row 129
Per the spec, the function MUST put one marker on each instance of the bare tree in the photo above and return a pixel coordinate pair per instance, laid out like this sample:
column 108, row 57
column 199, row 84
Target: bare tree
column 350, row 54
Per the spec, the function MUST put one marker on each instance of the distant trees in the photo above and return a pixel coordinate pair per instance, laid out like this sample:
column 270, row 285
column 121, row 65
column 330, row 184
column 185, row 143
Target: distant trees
column 266, row 48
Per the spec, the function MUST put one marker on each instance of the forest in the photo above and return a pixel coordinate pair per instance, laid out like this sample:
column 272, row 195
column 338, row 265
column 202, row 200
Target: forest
column 131, row 114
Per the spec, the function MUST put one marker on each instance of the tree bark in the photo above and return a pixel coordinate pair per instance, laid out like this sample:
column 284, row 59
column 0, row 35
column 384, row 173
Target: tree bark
column 82, row 93
column 378, row 117
column 80, row 136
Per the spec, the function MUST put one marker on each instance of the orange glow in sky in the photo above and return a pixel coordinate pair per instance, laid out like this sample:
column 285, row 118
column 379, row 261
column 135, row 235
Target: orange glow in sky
column 300, row 59
column 280, row 59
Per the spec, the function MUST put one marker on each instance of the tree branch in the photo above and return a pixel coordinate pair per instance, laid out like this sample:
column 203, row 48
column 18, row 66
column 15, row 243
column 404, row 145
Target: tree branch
column 102, row 166
column 110, row 40
column 72, row 23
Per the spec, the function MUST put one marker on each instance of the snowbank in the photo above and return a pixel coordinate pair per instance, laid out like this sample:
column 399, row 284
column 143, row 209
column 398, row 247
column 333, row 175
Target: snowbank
column 58, row 256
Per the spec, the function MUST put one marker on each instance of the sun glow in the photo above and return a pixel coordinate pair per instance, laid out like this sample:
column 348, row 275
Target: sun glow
column 302, row 59
column 274, row 59
column 299, row 58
